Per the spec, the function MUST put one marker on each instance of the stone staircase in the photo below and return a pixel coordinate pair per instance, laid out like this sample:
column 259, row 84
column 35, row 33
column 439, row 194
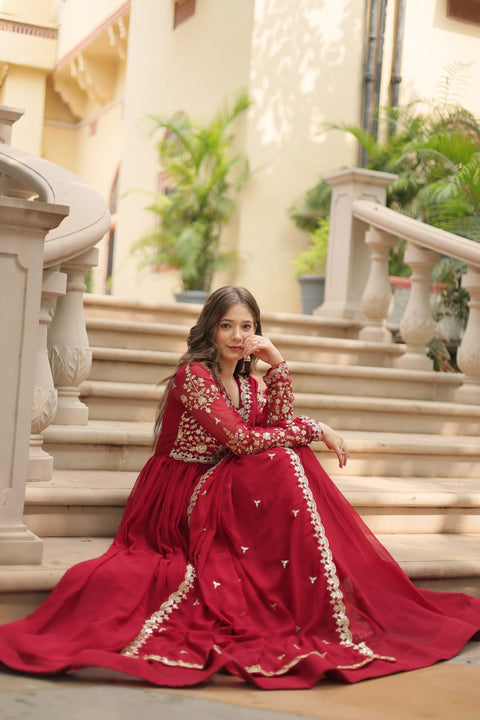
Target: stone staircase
column 414, row 471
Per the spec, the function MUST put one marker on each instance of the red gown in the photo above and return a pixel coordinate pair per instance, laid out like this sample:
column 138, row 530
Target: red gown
column 237, row 550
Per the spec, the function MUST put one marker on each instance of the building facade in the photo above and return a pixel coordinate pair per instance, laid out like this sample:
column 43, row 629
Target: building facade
column 88, row 73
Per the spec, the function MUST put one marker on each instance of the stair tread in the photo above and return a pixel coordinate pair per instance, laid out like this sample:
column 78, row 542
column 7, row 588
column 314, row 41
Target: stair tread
column 424, row 555
column 387, row 404
column 311, row 341
column 118, row 432
column 96, row 487
column 105, row 301
column 115, row 388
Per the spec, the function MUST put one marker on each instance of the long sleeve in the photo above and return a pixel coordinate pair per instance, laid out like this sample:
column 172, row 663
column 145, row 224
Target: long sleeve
column 278, row 408
column 197, row 391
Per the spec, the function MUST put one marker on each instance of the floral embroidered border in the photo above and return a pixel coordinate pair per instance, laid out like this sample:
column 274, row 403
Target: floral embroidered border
column 165, row 610
column 333, row 583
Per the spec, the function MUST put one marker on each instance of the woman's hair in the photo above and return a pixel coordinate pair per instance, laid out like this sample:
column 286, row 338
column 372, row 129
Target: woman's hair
column 201, row 345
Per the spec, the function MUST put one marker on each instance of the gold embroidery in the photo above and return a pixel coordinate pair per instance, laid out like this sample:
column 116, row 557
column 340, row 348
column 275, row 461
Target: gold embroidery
column 280, row 397
column 195, row 444
column 197, row 490
column 173, row 663
column 153, row 623
column 269, row 673
column 333, row 583
column 371, row 657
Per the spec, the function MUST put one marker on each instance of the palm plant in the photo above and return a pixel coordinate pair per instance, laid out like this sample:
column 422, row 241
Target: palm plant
column 204, row 175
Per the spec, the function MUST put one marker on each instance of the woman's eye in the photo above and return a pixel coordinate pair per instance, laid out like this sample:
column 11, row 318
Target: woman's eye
column 225, row 326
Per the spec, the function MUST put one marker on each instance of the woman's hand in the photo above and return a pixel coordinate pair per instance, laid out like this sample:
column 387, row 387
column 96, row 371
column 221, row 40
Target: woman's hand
column 263, row 349
column 335, row 442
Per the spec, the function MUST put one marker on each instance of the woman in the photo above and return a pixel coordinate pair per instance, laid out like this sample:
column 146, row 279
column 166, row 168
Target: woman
column 236, row 550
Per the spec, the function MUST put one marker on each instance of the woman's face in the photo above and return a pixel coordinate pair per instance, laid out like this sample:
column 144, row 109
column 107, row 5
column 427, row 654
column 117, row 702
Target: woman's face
column 233, row 329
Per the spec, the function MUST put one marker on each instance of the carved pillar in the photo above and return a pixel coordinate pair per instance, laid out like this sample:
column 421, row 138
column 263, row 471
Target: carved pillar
column 69, row 351
column 348, row 260
column 23, row 227
column 468, row 355
column 417, row 326
column 377, row 296
column 40, row 464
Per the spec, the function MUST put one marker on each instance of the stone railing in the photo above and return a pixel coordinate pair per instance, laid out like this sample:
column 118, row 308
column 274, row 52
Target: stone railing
column 362, row 231
column 50, row 221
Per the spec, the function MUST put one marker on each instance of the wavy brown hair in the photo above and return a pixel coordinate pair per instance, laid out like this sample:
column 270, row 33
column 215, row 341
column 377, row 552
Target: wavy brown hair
column 201, row 345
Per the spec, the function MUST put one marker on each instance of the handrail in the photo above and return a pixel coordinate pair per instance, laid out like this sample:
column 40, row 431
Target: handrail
column 416, row 232
column 89, row 218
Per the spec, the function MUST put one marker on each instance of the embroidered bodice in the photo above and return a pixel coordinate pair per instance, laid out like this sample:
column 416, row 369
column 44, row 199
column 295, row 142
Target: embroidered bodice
column 201, row 424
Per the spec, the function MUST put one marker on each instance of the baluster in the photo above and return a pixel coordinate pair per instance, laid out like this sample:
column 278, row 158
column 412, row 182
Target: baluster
column 40, row 463
column 468, row 355
column 377, row 296
column 417, row 326
column 69, row 351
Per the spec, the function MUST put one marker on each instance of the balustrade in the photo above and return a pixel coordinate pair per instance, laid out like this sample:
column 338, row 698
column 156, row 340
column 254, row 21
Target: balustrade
column 468, row 355
column 43, row 253
column 40, row 464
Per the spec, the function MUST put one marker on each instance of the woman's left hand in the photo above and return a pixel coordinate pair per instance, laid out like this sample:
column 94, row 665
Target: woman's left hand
column 262, row 348
column 335, row 442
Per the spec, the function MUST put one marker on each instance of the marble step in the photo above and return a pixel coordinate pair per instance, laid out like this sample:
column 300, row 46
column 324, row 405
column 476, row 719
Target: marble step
column 151, row 366
column 121, row 445
column 441, row 562
column 108, row 307
column 91, row 502
column 134, row 335
column 138, row 402
column 391, row 414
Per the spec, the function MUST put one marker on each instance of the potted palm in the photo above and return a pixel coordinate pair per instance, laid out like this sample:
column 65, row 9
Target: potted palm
column 310, row 213
column 204, row 175
column 309, row 267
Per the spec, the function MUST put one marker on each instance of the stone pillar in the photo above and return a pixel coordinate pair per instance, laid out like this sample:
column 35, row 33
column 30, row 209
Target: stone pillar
column 23, row 227
column 69, row 350
column 8, row 116
column 348, row 260
column 377, row 296
column 417, row 325
column 40, row 463
column 468, row 355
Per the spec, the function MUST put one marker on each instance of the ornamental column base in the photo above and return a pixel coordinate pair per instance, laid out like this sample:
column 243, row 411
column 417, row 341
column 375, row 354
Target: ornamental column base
column 70, row 410
column 469, row 392
column 40, row 463
column 19, row 546
column 415, row 358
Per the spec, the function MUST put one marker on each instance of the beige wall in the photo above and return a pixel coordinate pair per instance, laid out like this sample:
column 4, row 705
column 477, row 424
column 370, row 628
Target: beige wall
column 25, row 88
column 34, row 11
column 293, row 58
column 80, row 18
column 192, row 69
column 444, row 41
column 302, row 63
column 302, row 53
